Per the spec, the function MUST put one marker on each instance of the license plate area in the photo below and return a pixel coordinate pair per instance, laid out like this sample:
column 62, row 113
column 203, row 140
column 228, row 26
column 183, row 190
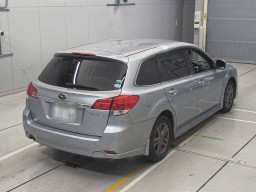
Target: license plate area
column 64, row 113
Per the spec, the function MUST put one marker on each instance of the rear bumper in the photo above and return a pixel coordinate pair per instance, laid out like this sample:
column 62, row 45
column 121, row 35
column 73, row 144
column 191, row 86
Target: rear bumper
column 125, row 142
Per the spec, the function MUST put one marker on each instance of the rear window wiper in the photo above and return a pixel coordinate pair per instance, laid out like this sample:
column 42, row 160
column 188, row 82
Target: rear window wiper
column 81, row 86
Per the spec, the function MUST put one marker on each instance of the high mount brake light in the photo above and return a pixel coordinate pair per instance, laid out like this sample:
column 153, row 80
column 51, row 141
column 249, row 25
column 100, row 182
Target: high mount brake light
column 32, row 91
column 117, row 105
column 83, row 54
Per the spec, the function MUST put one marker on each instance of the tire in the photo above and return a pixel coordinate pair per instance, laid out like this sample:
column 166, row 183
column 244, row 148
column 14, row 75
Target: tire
column 160, row 139
column 229, row 96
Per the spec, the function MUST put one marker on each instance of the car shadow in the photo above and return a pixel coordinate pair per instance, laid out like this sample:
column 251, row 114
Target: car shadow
column 194, row 130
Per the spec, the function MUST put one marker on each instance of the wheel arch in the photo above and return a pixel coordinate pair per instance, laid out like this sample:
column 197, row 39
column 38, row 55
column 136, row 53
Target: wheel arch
column 170, row 115
column 235, row 84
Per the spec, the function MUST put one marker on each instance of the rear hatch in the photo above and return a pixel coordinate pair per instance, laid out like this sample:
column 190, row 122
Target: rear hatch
column 69, row 86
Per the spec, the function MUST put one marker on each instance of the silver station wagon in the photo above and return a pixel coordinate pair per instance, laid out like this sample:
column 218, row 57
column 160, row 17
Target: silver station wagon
column 123, row 98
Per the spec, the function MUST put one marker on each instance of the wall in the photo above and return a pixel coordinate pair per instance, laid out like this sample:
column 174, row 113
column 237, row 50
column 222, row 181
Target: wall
column 188, row 21
column 38, row 28
column 231, row 30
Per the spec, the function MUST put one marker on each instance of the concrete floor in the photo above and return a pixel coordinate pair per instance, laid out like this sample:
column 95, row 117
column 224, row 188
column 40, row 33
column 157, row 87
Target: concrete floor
column 217, row 155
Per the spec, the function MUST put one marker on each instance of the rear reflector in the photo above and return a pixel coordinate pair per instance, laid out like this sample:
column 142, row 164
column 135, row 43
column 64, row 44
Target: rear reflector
column 32, row 91
column 83, row 54
column 118, row 105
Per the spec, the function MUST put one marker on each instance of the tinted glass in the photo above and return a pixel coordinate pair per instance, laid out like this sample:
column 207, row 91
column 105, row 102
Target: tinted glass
column 199, row 64
column 148, row 73
column 176, row 64
column 164, row 76
column 84, row 74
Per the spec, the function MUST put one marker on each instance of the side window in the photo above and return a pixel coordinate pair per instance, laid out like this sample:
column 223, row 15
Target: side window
column 148, row 73
column 164, row 76
column 199, row 64
column 176, row 64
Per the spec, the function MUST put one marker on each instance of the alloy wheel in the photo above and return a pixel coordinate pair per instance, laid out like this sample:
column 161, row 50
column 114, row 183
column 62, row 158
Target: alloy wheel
column 161, row 139
column 229, row 96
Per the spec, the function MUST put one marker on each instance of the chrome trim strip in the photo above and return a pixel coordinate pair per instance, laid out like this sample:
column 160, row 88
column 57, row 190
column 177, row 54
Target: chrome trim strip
column 79, row 105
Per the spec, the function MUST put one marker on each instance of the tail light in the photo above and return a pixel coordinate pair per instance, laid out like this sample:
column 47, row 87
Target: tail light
column 103, row 104
column 32, row 91
column 117, row 105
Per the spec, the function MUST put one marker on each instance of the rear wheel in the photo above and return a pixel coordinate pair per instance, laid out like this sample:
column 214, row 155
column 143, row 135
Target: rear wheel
column 229, row 96
column 160, row 139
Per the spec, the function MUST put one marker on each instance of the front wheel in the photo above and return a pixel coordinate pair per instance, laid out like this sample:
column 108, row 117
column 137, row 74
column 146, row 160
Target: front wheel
column 229, row 96
column 160, row 139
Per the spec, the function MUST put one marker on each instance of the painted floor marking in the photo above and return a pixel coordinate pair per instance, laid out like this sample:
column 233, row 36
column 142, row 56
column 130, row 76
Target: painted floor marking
column 126, row 188
column 213, row 138
column 130, row 185
column 124, row 179
column 18, row 151
column 217, row 157
column 11, row 127
column 253, row 122
column 244, row 111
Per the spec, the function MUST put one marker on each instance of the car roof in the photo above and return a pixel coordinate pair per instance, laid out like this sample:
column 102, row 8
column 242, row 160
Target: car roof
column 120, row 49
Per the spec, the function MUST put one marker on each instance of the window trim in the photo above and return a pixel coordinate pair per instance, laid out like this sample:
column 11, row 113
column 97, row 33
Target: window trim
column 158, row 66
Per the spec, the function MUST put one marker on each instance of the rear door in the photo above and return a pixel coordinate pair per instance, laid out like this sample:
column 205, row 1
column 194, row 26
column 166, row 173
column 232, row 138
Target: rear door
column 182, row 88
column 69, row 86
column 210, row 82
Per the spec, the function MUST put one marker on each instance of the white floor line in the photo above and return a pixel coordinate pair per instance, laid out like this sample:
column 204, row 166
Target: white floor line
column 244, row 111
column 18, row 151
column 253, row 122
column 126, row 188
column 130, row 185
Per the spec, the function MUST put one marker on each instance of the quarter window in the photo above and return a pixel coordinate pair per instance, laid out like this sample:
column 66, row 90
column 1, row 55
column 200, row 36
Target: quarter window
column 148, row 73
column 199, row 64
column 176, row 64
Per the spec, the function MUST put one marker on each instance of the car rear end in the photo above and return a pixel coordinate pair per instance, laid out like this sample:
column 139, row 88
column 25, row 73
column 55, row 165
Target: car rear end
column 76, row 105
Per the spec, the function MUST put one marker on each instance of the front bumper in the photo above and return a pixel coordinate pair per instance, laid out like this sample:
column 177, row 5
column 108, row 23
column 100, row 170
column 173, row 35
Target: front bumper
column 125, row 142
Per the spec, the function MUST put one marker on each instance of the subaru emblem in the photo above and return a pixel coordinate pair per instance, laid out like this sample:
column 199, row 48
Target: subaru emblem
column 62, row 96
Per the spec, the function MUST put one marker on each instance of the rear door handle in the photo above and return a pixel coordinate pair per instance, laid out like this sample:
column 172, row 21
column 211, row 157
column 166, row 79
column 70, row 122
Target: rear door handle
column 173, row 92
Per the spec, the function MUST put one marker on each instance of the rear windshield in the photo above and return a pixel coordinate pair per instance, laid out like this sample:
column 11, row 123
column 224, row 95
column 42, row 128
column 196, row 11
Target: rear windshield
column 84, row 74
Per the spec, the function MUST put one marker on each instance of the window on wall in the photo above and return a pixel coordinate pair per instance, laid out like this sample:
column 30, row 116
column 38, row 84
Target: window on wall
column 199, row 64
column 148, row 73
column 176, row 64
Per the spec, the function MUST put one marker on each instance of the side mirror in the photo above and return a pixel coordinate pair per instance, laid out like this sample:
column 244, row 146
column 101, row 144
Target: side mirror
column 220, row 64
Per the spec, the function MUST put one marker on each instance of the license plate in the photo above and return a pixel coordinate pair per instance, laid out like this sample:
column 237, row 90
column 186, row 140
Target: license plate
column 65, row 113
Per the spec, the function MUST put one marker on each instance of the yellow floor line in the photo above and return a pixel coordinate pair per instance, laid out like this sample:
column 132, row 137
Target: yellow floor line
column 124, row 179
